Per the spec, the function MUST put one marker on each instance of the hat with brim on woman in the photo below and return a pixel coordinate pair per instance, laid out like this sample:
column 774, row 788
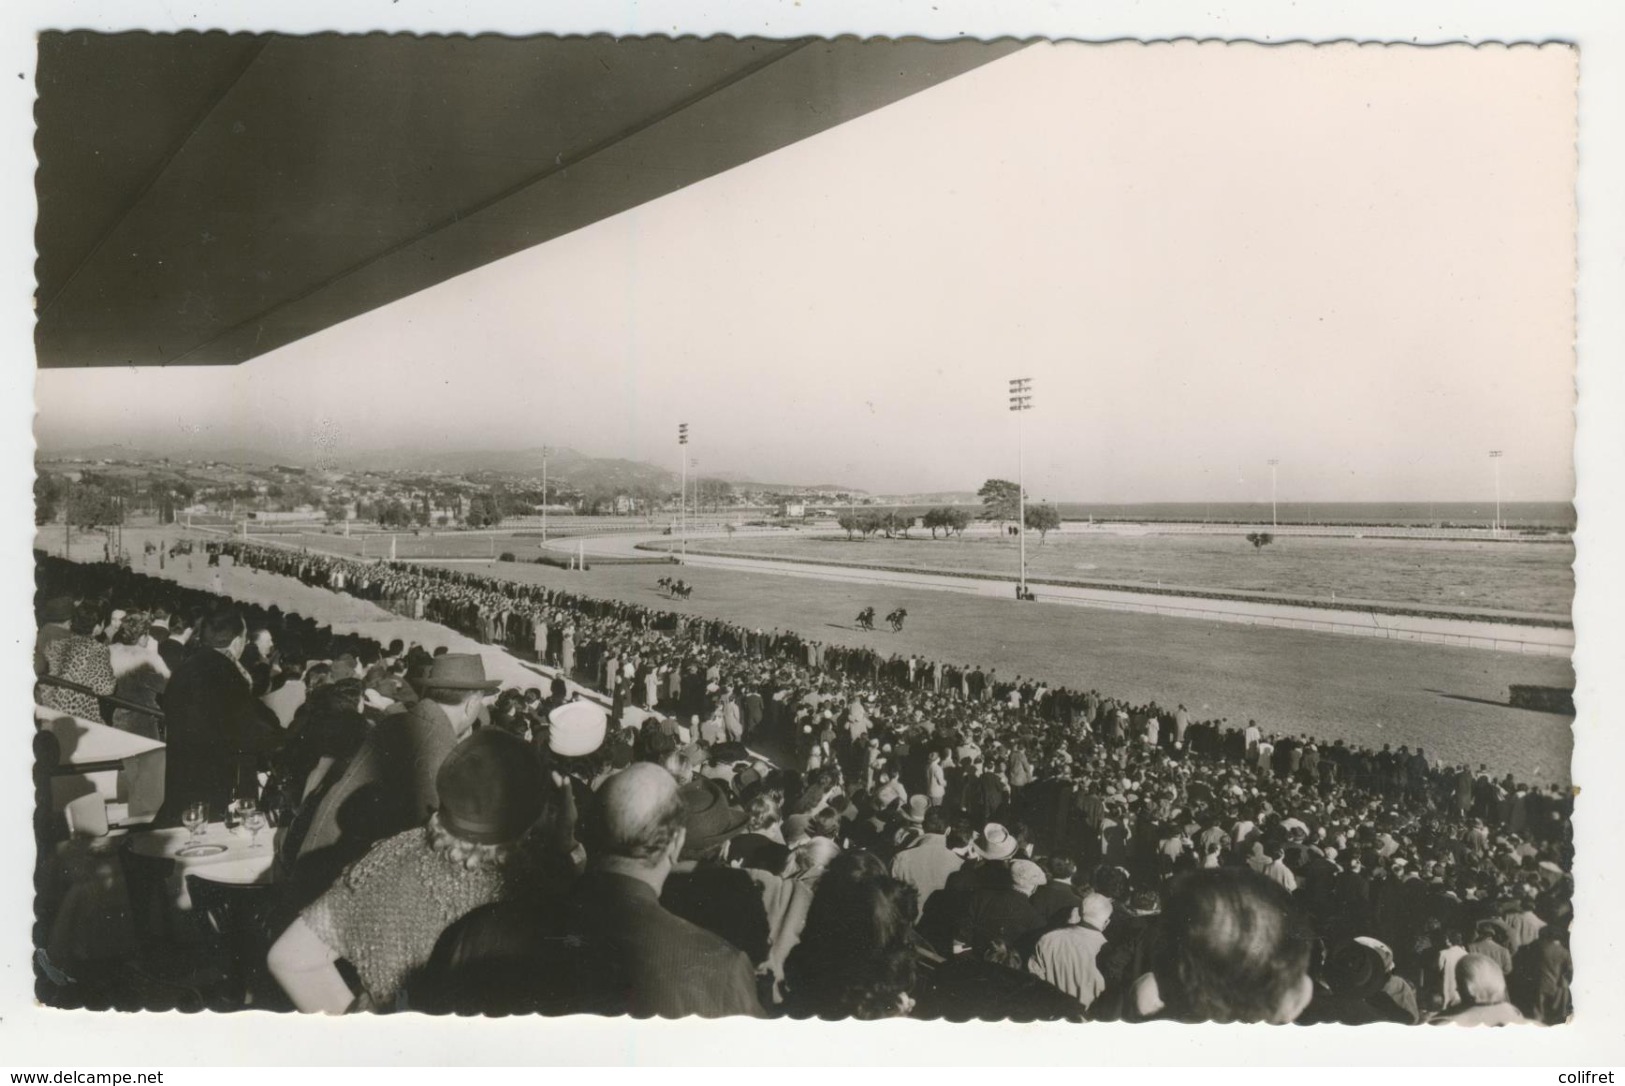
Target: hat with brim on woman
column 1355, row 971
column 709, row 820
column 459, row 671
column 492, row 788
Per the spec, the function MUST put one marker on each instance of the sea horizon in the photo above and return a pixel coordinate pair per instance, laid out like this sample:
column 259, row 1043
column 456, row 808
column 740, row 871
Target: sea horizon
column 1558, row 514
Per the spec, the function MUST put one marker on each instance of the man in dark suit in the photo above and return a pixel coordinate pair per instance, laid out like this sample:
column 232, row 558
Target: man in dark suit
column 174, row 648
column 217, row 731
column 388, row 785
column 661, row 964
column 1056, row 899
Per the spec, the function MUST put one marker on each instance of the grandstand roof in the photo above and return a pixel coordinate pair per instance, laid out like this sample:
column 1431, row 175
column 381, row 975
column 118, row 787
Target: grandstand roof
column 206, row 198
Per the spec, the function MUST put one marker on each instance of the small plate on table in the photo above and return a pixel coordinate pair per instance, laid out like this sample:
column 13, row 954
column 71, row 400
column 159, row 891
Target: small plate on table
column 192, row 852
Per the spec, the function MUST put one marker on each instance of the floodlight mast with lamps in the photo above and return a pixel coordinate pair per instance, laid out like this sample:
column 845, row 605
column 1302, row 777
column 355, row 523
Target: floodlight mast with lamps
column 545, row 451
column 1021, row 401
column 682, row 497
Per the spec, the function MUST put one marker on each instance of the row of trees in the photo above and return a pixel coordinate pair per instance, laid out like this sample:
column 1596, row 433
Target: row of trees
column 102, row 500
column 947, row 519
column 1001, row 502
column 867, row 522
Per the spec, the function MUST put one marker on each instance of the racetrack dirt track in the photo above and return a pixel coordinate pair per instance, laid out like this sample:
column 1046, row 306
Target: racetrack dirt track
column 1450, row 701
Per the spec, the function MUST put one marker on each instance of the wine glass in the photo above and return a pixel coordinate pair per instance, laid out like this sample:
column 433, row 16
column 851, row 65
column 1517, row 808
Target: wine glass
column 194, row 818
column 254, row 819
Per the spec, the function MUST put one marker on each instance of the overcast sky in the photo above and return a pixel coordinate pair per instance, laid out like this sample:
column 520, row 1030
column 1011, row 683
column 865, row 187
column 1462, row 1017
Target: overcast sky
column 1358, row 260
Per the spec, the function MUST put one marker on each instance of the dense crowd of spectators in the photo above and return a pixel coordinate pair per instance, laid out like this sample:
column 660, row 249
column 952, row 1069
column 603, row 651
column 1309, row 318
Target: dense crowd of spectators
column 805, row 828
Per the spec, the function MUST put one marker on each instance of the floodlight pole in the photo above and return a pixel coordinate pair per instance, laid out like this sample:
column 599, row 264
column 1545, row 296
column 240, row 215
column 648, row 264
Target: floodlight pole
column 1274, row 522
column 1021, row 400
column 1495, row 457
column 695, row 464
column 682, row 496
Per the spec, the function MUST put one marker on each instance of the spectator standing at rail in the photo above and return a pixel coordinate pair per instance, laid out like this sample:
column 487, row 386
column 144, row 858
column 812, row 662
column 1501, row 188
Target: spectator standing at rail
column 75, row 656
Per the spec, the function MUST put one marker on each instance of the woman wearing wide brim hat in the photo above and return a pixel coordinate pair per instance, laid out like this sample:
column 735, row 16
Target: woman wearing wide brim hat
column 710, row 821
column 386, row 911
column 1351, row 988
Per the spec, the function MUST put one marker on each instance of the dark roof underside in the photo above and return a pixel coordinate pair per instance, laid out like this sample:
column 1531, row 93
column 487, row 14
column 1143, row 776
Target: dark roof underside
column 206, row 198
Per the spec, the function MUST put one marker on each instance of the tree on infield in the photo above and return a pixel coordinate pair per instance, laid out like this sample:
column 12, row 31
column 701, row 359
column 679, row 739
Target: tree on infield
column 713, row 493
column 848, row 523
column 936, row 518
column 1001, row 500
column 1043, row 519
column 394, row 513
column 91, row 505
column 47, row 496
column 1260, row 540
column 483, row 511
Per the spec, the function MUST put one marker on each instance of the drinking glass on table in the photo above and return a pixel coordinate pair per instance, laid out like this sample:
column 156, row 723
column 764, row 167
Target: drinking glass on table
column 194, row 818
column 254, row 819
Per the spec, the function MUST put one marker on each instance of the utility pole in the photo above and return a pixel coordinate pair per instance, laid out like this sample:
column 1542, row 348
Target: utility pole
column 544, row 493
column 1274, row 523
column 1021, row 401
column 1495, row 456
column 695, row 464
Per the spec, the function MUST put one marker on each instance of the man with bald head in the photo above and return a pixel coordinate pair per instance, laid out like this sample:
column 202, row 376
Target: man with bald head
column 1483, row 990
column 664, row 965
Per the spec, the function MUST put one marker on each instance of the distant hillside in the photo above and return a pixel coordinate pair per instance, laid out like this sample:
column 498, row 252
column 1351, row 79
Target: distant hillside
column 563, row 465
column 739, row 482
column 117, row 451
column 939, row 497
column 561, row 462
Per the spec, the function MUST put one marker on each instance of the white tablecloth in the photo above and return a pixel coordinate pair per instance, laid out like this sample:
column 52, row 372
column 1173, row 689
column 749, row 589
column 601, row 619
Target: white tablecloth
column 240, row 864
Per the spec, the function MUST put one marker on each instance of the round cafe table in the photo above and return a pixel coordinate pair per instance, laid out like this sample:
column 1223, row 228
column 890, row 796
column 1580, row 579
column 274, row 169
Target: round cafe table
column 224, row 855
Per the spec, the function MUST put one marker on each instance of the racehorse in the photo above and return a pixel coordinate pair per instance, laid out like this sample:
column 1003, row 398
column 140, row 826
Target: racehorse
column 896, row 618
column 866, row 618
column 682, row 590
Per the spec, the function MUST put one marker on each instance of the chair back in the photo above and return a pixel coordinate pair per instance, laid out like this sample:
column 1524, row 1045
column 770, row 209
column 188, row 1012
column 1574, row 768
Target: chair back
column 233, row 911
column 236, row 919
column 87, row 816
